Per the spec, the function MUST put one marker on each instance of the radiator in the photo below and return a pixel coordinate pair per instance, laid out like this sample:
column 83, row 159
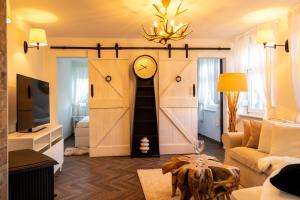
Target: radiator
column 31, row 182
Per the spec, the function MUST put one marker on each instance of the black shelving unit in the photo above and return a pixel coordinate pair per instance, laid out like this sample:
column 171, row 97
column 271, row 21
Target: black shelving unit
column 145, row 119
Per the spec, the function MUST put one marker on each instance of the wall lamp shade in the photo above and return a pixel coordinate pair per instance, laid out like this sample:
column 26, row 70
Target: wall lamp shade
column 267, row 38
column 8, row 12
column 37, row 38
column 232, row 82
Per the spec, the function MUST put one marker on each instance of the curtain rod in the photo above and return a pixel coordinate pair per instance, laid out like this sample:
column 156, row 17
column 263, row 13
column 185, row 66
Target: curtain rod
column 186, row 48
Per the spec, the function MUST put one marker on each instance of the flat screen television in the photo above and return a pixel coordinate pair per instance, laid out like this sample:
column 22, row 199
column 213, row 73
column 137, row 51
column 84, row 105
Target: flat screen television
column 32, row 103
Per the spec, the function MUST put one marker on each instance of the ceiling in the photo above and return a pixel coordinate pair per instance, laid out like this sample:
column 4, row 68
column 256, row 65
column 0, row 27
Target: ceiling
column 209, row 19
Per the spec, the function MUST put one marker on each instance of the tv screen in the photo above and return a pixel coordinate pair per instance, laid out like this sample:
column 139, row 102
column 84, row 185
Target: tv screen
column 32, row 103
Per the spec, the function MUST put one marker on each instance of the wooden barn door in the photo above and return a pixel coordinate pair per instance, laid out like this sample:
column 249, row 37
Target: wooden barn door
column 178, row 105
column 109, row 107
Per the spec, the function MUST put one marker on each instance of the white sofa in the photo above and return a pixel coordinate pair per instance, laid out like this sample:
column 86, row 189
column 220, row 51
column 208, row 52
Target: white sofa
column 278, row 139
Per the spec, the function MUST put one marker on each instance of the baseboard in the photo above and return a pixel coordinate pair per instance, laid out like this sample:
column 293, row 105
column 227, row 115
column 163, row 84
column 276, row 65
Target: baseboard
column 166, row 149
column 116, row 150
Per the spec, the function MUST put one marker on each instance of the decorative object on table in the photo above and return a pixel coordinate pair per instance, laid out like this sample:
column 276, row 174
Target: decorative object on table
column 232, row 84
column 31, row 175
column 37, row 38
column 266, row 37
column 145, row 117
column 144, row 145
column 165, row 28
column 202, row 177
column 76, row 151
column 199, row 146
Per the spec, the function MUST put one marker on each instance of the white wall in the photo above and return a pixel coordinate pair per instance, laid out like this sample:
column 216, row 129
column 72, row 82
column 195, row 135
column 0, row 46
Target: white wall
column 64, row 97
column 30, row 64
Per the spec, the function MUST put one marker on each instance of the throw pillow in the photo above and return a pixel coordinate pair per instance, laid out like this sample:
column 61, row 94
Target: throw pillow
column 270, row 192
column 285, row 141
column 264, row 144
column 287, row 180
column 255, row 133
column 247, row 132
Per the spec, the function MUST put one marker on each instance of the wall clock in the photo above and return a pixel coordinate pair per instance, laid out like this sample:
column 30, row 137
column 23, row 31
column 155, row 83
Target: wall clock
column 145, row 67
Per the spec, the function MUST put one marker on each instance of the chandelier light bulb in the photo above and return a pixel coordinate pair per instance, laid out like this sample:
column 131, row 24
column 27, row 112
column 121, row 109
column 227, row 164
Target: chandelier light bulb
column 155, row 24
column 172, row 22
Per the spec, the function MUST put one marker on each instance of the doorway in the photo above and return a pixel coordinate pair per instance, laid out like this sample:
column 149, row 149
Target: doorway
column 72, row 95
column 210, row 101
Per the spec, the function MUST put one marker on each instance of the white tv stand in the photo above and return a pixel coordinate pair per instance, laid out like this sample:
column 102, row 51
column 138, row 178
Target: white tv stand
column 48, row 141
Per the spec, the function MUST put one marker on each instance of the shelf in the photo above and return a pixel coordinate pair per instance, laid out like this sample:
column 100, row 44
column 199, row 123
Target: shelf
column 145, row 96
column 146, row 121
column 40, row 146
column 145, row 86
column 145, row 107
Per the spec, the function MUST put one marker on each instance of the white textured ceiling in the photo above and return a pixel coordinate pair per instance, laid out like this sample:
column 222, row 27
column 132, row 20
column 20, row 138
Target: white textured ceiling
column 213, row 19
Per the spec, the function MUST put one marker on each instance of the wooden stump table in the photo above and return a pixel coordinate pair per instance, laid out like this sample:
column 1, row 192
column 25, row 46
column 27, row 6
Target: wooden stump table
column 202, row 177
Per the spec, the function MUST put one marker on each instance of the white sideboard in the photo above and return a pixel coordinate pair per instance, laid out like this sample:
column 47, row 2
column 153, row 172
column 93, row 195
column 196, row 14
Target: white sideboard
column 48, row 141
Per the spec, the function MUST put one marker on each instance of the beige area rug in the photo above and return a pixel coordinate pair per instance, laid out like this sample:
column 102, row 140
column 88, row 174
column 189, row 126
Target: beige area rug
column 156, row 186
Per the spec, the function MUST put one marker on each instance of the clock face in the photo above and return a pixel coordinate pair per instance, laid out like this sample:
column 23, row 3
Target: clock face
column 145, row 67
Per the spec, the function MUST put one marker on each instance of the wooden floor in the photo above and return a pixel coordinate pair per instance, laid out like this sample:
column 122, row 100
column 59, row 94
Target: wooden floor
column 109, row 178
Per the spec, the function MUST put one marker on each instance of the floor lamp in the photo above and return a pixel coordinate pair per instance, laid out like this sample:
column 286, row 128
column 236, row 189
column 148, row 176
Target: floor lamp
column 232, row 84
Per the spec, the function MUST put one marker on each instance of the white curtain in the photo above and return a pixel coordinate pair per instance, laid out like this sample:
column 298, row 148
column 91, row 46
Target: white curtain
column 208, row 73
column 259, row 64
column 294, row 42
column 79, row 88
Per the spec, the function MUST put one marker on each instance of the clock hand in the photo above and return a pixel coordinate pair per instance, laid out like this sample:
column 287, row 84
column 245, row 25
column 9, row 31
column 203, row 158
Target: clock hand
column 141, row 69
column 143, row 66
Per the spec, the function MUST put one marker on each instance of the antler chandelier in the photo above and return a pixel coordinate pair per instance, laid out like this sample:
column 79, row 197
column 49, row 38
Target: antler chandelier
column 165, row 28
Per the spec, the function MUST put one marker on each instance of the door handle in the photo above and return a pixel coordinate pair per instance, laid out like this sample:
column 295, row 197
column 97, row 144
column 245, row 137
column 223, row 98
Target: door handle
column 194, row 90
column 28, row 92
column 92, row 90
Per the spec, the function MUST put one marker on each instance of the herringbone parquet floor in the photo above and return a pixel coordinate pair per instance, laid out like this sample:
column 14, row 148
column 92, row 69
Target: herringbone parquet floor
column 109, row 178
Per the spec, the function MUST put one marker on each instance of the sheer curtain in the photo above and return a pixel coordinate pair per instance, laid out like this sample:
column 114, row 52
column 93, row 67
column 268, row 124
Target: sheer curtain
column 208, row 73
column 294, row 41
column 258, row 63
column 79, row 88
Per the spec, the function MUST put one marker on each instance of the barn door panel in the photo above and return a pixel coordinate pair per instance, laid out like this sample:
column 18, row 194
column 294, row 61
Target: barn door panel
column 178, row 105
column 109, row 107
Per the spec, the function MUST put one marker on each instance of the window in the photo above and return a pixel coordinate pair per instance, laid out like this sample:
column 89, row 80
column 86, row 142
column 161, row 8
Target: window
column 208, row 75
column 251, row 60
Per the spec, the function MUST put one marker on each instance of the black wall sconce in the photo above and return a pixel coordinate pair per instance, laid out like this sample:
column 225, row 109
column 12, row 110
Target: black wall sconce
column 267, row 38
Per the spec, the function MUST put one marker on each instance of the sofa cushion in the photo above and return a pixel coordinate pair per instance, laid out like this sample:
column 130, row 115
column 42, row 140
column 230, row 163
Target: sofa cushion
column 265, row 137
column 255, row 127
column 247, row 132
column 285, row 140
column 247, row 156
column 252, row 193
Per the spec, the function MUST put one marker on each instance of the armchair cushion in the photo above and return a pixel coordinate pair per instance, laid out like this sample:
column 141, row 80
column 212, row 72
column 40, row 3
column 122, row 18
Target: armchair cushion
column 247, row 156
column 232, row 139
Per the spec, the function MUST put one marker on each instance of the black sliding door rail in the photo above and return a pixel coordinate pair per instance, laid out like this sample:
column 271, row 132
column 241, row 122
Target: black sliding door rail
column 117, row 48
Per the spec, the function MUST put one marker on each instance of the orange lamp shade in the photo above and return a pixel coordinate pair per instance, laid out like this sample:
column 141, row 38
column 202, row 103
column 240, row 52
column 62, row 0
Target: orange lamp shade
column 232, row 82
